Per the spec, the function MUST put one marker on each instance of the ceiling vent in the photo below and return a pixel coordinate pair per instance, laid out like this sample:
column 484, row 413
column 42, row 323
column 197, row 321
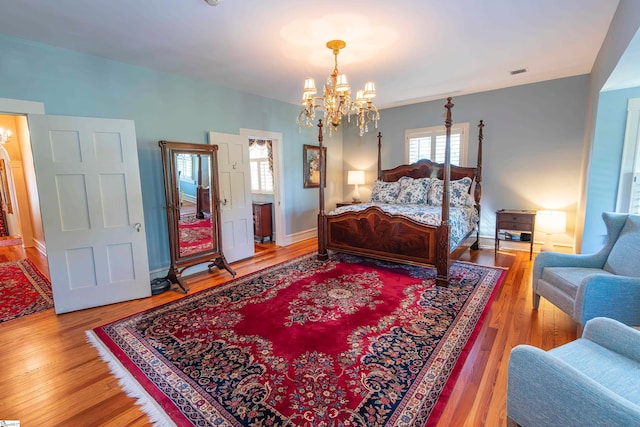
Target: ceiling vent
column 212, row 2
column 520, row 71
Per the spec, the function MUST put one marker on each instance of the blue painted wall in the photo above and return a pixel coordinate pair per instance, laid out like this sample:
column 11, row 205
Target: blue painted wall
column 533, row 142
column 604, row 169
column 163, row 106
column 624, row 26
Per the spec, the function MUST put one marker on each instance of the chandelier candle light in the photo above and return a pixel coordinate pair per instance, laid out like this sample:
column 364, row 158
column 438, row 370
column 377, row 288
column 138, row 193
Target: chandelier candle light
column 336, row 99
column 5, row 134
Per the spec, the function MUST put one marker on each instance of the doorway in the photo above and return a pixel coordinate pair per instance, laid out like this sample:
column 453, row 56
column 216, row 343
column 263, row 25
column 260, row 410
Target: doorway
column 276, row 196
column 21, row 205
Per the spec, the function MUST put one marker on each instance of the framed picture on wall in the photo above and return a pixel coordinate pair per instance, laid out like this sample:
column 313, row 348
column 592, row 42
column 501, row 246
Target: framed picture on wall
column 311, row 165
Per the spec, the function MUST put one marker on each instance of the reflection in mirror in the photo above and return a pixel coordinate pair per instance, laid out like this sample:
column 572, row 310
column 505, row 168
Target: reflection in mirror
column 194, row 184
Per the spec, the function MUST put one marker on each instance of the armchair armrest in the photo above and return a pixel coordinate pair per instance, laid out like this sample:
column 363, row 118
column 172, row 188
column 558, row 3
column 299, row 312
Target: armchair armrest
column 615, row 336
column 541, row 385
column 603, row 295
column 556, row 259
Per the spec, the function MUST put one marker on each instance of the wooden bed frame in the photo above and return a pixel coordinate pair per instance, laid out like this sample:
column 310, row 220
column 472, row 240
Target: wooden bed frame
column 376, row 234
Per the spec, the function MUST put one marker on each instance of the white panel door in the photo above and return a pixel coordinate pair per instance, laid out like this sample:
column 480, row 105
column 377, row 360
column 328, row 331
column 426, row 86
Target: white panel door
column 235, row 195
column 88, row 181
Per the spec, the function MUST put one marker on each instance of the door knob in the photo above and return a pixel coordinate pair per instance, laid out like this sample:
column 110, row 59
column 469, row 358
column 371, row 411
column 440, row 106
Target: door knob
column 137, row 226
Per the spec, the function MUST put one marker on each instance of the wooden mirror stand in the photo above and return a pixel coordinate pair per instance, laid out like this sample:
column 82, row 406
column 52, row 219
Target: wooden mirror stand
column 193, row 207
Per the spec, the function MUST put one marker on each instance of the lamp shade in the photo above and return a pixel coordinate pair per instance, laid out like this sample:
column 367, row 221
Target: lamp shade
column 551, row 222
column 355, row 177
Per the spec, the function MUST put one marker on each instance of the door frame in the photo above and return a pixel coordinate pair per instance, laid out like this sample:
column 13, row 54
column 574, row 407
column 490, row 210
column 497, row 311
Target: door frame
column 630, row 163
column 18, row 107
column 278, row 178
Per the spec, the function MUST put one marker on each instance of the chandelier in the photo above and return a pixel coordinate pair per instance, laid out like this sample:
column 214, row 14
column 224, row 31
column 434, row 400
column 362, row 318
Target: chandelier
column 336, row 99
column 5, row 134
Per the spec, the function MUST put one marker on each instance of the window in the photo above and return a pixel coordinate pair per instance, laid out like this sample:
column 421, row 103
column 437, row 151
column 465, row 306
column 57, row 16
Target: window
column 429, row 143
column 261, row 174
column 628, row 199
column 184, row 163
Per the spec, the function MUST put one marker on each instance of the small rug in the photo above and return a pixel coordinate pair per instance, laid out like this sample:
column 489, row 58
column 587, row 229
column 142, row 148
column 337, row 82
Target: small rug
column 195, row 235
column 23, row 290
column 347, row 342
column 10, row 241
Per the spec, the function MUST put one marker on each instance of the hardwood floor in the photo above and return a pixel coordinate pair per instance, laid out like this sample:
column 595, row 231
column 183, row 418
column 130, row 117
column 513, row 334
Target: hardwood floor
column 51, row 376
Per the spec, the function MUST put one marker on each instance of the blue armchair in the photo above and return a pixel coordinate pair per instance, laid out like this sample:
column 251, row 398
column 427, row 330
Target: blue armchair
column 593, row 381
column 604, row 284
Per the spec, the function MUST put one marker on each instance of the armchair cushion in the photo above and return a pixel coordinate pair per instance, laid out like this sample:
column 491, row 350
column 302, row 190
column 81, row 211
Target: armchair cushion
column 621, row 260
column 567, row 279
column 602, row 365
column 593, row 381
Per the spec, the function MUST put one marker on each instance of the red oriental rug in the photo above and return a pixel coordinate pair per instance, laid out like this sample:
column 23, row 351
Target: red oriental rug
column 23, row 290
column 195, row 235
column 347, row 342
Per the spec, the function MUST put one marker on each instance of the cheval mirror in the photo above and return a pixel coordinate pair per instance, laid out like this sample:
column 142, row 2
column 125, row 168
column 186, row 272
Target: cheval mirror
column 193, row 207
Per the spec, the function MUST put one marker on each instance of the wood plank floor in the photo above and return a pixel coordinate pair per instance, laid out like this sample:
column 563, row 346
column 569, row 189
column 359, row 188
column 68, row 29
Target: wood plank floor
column 50, row 375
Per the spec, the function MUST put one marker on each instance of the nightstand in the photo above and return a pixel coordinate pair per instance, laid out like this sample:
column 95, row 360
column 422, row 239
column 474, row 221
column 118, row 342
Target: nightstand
column 346, row 204
column 510, row 220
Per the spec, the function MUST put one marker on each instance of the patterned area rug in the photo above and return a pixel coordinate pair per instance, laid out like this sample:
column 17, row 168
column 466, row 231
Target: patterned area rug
column 348, row 342
column 195, row 235
column 23, row 290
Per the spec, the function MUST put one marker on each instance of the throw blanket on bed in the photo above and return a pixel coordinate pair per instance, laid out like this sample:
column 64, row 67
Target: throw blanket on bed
column 463, row 219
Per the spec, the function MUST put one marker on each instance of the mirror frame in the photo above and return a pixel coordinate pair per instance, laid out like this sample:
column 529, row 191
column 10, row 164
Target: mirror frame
column 170, row 151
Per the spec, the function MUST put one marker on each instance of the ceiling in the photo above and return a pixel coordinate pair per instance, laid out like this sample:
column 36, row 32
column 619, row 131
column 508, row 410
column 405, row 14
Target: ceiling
column 414, row 50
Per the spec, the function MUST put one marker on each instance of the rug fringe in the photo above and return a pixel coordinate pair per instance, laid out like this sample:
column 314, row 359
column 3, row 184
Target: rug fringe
column 129, row 384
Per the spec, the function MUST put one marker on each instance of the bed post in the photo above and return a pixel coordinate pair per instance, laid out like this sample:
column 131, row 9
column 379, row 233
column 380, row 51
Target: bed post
column 322, row 229
column 380, row 156
column 444, row 230
column 477, row 193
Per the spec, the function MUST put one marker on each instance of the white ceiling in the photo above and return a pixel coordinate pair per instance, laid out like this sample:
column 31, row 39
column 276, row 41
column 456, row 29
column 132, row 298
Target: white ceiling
column 414, row 50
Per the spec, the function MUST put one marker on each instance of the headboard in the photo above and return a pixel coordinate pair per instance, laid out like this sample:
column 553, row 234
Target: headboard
column 428, row 169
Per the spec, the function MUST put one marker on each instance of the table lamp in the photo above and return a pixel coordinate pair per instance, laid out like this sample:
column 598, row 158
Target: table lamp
column 355, row 178
column 550, row 222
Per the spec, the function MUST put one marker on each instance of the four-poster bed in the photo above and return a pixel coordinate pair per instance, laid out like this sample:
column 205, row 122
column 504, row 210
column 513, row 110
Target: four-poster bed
column 383, row 231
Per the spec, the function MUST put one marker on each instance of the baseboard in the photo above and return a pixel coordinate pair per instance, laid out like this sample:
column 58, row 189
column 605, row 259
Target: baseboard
column 289, row 239
column 490, row 243
column 299, row 237
column 40, row 246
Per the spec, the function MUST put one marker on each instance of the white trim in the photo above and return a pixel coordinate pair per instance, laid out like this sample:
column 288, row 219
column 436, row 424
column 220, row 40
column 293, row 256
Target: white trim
column 189, row 198
column 18, row 106
column 40, row 246
column 278, row 179
column 628, row 166
column 301, row 235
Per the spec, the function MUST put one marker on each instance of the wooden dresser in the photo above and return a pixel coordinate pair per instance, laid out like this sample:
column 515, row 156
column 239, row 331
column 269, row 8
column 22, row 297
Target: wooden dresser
column 262, row 221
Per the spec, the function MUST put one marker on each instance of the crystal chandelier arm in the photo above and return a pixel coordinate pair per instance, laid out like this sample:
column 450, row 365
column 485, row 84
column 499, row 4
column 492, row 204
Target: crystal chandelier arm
column 336, row 99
